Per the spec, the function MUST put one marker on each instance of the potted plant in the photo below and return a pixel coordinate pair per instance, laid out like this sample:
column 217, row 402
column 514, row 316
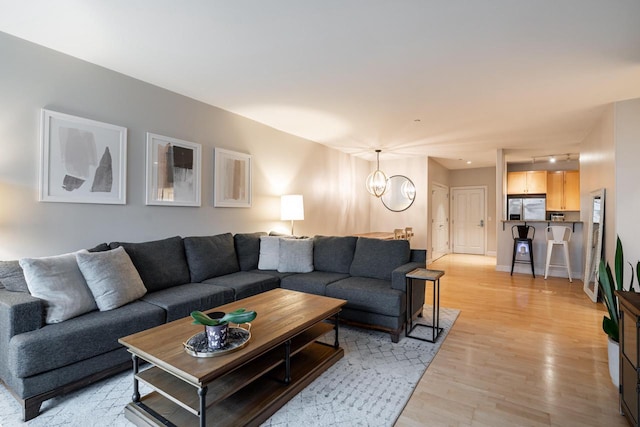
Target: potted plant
column 217, row 324
column 611, row 324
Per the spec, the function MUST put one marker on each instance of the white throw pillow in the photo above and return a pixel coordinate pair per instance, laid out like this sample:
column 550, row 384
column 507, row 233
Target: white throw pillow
column 111, row 277
column 296, row 256
column 269, row 253
column 58, row 281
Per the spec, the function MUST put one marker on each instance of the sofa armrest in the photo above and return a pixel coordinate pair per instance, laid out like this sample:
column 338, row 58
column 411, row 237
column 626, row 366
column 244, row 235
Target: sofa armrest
column 19, row 312
column 398, row 276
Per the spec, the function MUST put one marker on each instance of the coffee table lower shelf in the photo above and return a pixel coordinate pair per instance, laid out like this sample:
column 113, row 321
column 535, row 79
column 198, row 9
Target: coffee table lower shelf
column 251, row 405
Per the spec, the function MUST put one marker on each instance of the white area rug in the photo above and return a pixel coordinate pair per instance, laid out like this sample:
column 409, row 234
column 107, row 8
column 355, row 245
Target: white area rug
column 368, row 387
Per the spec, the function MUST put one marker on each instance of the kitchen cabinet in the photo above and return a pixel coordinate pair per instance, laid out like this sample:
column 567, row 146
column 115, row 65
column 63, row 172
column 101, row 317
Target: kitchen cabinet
column 563, row 191
column 527, row 182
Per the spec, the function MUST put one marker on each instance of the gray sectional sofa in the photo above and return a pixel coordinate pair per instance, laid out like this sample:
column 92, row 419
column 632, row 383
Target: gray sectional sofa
column 40, row 360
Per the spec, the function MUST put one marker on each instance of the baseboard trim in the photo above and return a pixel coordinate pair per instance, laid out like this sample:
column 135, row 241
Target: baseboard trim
column 526, row 269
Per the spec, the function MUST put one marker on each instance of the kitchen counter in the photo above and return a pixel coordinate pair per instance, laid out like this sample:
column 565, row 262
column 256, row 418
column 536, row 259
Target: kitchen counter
column 505, row 249
column 540, row 221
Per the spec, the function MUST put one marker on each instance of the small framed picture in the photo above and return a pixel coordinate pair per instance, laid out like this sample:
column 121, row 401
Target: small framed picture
column 173, row 171
column 82, row 160
column 232, row 179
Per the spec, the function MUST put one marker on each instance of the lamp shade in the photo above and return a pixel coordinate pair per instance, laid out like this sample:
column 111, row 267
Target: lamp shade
column 292, row 207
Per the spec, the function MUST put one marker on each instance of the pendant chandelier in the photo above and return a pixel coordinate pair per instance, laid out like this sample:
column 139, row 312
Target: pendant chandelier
column 377, row 181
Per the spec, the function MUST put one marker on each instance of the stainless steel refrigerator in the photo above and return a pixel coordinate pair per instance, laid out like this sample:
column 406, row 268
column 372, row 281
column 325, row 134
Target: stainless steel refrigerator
column 526, row 208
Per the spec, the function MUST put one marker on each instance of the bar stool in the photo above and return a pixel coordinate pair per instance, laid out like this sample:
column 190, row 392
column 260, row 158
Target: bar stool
column 523, row 242
column 558, row 235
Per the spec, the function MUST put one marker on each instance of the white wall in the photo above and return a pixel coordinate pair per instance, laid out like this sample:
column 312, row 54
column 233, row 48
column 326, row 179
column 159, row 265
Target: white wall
column 597, row 170
column 33, row 77
column 627, row 138
column 383, row 219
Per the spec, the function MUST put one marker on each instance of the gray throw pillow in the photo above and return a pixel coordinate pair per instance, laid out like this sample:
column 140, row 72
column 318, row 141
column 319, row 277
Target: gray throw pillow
column 210, row 256
column 57, row 281
column 295, row 256
column 12, row 277
column 111, row 277
column 269, row 253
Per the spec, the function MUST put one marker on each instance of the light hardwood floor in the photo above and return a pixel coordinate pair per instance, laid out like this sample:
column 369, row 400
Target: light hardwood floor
column 523, row 352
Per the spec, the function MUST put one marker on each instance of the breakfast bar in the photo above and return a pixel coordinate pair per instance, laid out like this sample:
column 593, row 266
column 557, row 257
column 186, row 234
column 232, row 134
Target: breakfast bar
column 505, row 242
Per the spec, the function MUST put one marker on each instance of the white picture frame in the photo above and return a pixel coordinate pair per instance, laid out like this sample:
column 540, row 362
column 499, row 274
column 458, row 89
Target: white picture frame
column 173, row 169
column 232, row 179
column 81, row 160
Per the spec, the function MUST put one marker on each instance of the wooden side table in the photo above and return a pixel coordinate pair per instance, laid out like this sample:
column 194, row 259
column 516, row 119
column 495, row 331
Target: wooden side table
column 428, row 276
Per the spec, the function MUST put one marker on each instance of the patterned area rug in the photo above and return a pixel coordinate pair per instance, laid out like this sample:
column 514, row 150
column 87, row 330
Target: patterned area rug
column 368, row 387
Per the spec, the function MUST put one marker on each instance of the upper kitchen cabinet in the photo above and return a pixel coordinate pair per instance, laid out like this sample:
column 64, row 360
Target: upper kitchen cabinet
column 529, row 182
column 563, row 191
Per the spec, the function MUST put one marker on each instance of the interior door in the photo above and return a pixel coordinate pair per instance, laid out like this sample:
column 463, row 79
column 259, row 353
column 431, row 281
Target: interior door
column 439, row 221
column 468, row 222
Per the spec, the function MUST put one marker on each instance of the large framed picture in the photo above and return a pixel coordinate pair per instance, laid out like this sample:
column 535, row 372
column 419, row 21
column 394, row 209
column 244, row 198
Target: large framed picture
column 173, row 171
column 232, row 179
column 82, row 160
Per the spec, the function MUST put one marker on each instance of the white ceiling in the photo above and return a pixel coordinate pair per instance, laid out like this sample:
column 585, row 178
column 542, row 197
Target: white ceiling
column 448, row 79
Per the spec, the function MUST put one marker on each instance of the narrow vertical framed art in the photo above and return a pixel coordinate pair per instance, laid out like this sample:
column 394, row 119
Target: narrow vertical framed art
column 173, row 171
column 81, row 160
column 232, row 179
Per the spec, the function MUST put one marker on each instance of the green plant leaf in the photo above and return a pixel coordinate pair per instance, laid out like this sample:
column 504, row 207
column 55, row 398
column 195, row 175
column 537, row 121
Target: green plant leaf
column 631, row 281
column 606, row 283
column 619, row 264
column 610, row 328
column 199, row 318
column 637, row 273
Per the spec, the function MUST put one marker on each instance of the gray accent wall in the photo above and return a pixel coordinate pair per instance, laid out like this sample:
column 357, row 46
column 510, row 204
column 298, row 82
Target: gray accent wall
column 33, row 77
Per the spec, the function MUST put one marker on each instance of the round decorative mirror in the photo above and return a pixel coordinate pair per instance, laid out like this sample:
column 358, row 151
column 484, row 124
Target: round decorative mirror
column 400, row 193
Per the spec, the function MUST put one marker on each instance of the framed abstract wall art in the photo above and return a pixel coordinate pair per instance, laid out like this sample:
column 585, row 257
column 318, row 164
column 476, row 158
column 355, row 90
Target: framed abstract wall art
column 82, row 160
column 232, row 179
column 173, row 171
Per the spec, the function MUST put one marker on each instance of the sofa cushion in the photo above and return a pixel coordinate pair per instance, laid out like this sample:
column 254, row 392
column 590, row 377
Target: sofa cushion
column 295, row 256
column 58, row 281
column 245, row 283
column 371, row 295
column 269, row 253
column 12, row 277
column 102, row 247
column 111, row 277
column 210, row 256
column 313, row 283
column 248, row 249
column 161, row 263
column 180, row 301
column 80, row 338
column 376, row 258
column 333, row 253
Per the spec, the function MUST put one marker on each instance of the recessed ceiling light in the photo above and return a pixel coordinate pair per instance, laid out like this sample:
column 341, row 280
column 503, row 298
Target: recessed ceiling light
column 468, row 162
column 552, row 159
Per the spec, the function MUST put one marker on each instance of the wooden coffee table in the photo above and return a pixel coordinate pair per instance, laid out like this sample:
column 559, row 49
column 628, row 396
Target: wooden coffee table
column 244, row 387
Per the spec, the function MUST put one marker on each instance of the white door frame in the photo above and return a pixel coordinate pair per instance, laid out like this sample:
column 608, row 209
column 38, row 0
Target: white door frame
column 451, row 209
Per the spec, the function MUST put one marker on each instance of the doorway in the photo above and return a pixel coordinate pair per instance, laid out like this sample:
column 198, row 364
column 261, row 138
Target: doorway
column 439, row 221
column 469, row 220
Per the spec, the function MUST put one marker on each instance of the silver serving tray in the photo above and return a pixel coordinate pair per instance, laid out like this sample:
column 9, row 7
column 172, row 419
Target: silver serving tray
column 197, row 345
